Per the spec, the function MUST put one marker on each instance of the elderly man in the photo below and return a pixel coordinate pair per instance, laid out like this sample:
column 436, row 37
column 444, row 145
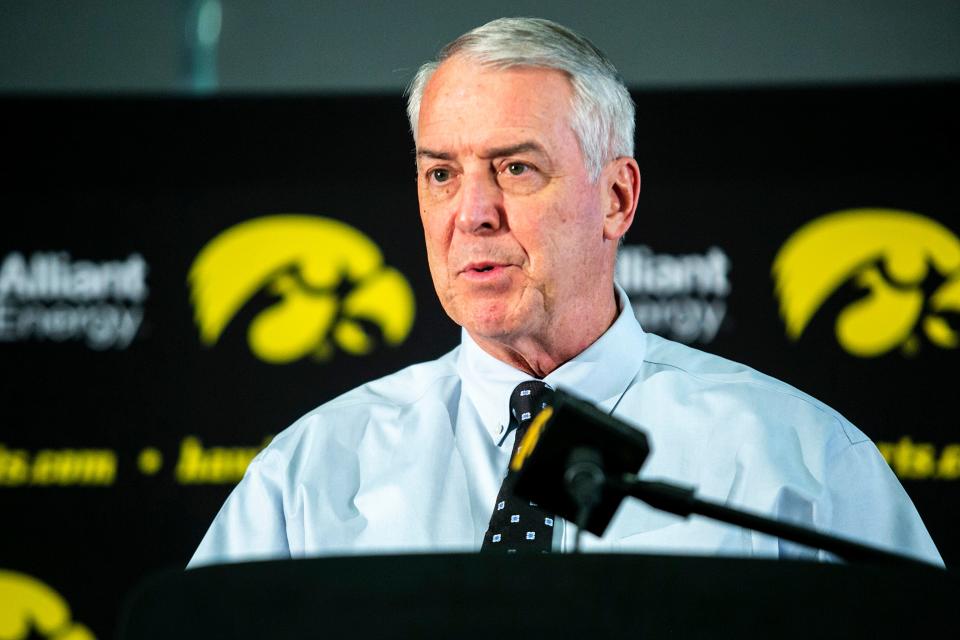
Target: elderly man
column 526, row 182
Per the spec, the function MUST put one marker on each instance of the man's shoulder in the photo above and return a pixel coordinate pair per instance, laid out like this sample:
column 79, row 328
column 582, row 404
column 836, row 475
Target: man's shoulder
column 664, row 353
column 747, row 389
column 401, row 388
column 379, row 399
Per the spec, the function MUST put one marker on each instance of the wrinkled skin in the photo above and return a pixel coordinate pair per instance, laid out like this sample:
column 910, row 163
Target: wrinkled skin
column 521, row 242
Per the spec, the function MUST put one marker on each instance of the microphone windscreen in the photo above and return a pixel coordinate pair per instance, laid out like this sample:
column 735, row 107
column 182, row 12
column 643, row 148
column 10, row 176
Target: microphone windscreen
column 542, row 458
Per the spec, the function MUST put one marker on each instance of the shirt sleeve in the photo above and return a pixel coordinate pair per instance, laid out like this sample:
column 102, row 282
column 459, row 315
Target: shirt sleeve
column 869, row 505
column 251, row 523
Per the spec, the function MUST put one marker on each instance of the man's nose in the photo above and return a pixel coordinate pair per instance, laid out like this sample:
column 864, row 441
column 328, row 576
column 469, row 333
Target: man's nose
column 481, row 205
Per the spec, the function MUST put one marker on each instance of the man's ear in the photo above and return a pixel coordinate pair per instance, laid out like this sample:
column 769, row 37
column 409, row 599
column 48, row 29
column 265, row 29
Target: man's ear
column 621, row 184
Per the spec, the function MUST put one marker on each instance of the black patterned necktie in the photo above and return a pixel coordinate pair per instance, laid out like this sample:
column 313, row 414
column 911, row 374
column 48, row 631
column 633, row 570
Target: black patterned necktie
column 518, row 525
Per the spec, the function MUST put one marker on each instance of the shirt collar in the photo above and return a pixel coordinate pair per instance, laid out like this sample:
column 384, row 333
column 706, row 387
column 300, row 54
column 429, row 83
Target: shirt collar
column 599, row 374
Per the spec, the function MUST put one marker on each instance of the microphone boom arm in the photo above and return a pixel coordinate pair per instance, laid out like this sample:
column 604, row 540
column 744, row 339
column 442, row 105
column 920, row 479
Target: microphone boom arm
column 682, row 501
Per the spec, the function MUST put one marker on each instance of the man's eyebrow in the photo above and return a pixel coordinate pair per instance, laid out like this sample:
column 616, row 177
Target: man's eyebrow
column 495, row 152
column 436, row 155
column 522, row 147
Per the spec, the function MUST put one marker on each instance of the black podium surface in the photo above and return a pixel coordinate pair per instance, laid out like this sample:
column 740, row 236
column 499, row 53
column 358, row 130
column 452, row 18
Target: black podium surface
column 605, row 596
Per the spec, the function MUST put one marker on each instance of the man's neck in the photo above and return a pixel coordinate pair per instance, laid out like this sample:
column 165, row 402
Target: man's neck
column 541, row 353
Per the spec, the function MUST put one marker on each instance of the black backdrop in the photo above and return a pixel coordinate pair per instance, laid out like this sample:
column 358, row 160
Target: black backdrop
column 111, row 185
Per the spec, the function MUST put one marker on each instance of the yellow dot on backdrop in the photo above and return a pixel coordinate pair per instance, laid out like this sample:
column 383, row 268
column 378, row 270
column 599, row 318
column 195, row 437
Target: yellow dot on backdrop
column 150, row 460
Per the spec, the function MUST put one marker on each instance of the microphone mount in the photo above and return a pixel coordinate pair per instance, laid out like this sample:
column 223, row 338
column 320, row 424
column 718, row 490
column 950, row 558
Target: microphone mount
column 584, row 480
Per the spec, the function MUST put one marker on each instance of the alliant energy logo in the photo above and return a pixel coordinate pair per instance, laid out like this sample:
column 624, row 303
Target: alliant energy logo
column 678, row 296
column 53, row 297
column 31, row 609
column 330, row 286
column 904, row 267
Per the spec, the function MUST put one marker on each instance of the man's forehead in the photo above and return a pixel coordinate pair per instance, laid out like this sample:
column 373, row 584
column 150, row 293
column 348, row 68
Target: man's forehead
column 459, row 82
column 491, row 110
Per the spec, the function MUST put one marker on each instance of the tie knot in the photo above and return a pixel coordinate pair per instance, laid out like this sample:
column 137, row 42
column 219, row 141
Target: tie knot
column 528, row 399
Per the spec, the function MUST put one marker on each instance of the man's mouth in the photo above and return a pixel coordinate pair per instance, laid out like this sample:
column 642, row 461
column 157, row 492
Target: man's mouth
column 476, row 268
column 481, row 267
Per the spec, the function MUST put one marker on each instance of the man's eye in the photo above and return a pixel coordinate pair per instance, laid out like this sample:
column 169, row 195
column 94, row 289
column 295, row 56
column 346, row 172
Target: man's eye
column 516, row 168
column 440, row 175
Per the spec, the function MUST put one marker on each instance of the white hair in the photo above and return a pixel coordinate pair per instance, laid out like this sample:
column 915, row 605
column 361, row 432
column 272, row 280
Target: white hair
column 602, row 112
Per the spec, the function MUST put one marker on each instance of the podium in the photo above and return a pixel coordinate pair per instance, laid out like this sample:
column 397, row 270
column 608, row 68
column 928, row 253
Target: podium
column 548, row 596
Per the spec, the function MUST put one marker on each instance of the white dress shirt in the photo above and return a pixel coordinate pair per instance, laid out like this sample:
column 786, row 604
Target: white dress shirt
column 410, row 462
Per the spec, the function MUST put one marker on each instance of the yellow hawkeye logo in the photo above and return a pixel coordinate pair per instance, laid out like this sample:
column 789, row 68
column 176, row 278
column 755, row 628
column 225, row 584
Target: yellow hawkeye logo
column 28, row 605
column 330, row 280
column 907, row 265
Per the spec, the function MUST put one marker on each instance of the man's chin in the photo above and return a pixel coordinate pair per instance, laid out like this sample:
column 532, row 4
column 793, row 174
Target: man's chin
column 500, row 327
column 493, row 317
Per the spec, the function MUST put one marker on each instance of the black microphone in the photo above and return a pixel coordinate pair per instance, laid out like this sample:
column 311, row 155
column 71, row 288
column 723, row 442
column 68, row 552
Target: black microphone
column 580, row 463
column 566, row 456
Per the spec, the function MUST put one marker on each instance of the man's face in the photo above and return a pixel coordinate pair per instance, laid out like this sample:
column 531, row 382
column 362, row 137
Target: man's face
column 514, row 226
